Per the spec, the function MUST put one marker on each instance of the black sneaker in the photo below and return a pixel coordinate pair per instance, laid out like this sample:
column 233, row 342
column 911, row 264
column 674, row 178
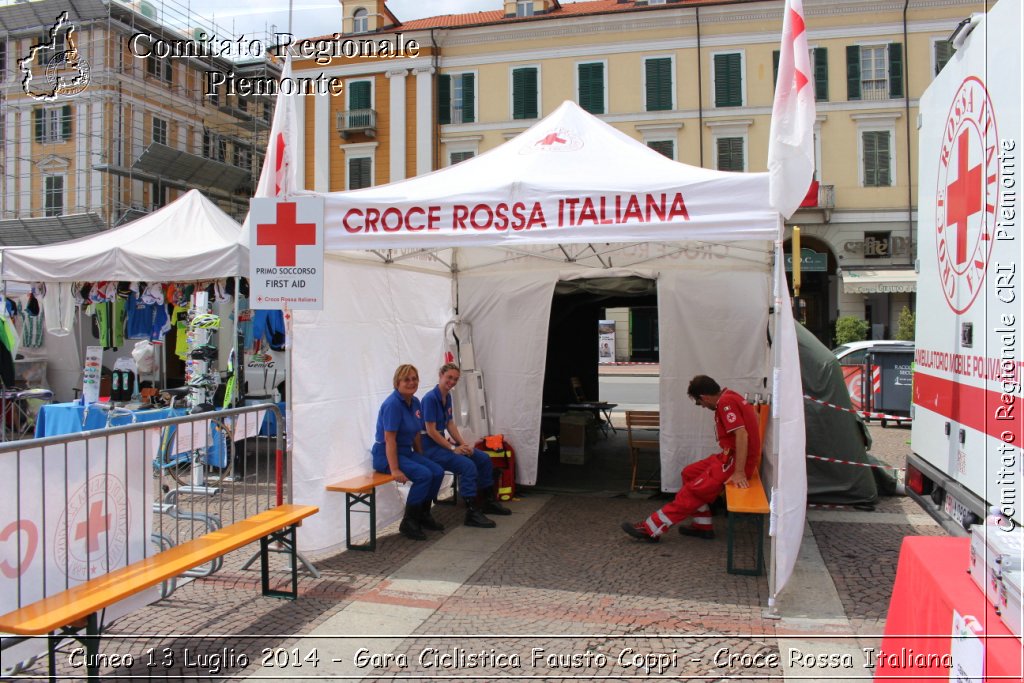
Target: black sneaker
column 639, row 532
column 206, row 353
column 706, row 534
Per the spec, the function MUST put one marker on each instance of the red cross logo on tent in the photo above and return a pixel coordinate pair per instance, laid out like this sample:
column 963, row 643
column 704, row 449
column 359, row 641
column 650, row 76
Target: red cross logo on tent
column 963, row 197
column 550, row 139
column 95, row 524
column 286, row 234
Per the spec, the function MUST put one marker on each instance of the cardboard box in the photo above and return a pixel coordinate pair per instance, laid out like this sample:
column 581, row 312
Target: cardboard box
column 573, row 439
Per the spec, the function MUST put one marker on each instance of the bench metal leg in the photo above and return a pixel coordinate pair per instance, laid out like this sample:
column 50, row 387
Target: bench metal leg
column 286, row 537
column 368, row 499
column 758, row 522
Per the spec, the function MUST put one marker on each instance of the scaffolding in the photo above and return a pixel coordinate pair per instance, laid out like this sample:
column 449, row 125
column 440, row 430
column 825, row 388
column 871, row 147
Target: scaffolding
column 122, row 111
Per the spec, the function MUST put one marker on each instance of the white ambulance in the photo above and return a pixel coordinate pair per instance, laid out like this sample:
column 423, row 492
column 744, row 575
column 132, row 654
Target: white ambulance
column 967, row 430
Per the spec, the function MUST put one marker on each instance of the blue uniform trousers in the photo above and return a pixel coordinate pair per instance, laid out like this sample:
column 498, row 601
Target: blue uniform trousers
column 424, row 473
column 474, row 472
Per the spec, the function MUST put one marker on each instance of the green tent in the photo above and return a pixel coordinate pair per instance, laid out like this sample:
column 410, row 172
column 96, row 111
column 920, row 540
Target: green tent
column 833, row 433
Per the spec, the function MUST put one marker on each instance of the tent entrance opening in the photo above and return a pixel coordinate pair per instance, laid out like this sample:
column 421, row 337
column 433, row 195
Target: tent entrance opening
column 583, row 387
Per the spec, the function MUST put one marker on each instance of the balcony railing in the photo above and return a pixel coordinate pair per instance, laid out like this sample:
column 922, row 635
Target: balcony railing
column 357, row 121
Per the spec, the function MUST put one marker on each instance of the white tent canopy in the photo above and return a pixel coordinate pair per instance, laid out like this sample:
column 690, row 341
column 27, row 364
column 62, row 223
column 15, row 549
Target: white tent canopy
column 189, row 239
column 488, row 239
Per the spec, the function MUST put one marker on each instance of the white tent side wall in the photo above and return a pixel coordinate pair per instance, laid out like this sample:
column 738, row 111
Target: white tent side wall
column 711, row 322
column 510, row 315
column 343, row 358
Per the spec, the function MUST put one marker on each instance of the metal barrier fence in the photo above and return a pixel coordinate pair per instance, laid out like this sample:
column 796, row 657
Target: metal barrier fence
column 77, row 506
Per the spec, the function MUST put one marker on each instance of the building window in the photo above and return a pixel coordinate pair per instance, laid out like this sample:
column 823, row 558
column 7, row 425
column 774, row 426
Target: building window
column 590, row 87
column 942, row 52
column 52, row 124
column 241, row 103
column 524, row 8
column 360, row 21
column 159, row 131
column 160, row 67
column 874, row 72
column 242, row 157
column 658, row 87
column 456, row 157
column 214, row 146
column 728, row 67
column 212, row 91
column 876, row 152
column 456, row 97
column 360, row 172
column 524, row 93
column 819, row 64
column 53, row 195
column 729, row 154
column 44, row 55
column 360, row 103
column 665, row 147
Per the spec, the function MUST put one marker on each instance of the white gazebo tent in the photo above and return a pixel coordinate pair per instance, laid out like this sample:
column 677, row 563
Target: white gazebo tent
column 488, row 239
column 188, row 240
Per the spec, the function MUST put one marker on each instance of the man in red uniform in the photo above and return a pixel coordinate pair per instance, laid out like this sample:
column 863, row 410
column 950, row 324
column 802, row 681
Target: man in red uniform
column 739, row 438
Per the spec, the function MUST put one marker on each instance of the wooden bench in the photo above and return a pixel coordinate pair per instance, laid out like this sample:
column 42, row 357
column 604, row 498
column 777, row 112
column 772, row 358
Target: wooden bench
column 640, row 419
column 361, row 490
column 64, row 614
column 749, row 503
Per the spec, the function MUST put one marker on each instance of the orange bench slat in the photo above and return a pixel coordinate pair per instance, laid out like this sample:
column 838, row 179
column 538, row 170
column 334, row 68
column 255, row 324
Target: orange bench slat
column 362, row 483
column 751, row 500
column 74, row 604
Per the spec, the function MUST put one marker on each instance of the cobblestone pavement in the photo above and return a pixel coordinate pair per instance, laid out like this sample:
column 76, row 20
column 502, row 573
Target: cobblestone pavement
column 568, row 595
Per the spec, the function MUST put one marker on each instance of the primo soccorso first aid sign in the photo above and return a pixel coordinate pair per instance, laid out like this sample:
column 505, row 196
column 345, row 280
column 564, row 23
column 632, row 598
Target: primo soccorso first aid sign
column 286, row 253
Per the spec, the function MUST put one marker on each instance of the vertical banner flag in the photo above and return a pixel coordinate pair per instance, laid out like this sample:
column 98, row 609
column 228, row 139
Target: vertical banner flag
column 791, row 140
column 277, row 178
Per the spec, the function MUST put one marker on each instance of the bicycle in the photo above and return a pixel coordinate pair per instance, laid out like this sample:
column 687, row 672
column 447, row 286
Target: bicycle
column 182, row 466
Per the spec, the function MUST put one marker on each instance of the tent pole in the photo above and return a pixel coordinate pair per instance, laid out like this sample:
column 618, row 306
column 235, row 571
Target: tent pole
column 779, row 271
column 237, row 393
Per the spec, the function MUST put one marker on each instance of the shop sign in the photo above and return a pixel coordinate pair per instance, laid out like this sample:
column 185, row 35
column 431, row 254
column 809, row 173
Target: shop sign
column 810, row 262
column 880, row 247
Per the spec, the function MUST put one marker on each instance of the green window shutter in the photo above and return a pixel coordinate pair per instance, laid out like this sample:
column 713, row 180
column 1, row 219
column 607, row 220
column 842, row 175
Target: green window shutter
column 65, row 122
column 775, row 67
column 820, row 67
column 444, row 99
column 468, row 98
column 460, row 156
column 853, row 72
column 659, row 84
column 870, row 159
column 359, row 95
column 728, row 80
column 524, row 93
column 591, row 88
column 666, row 147
column 943, row 53
column 877, row 172
column 882, row 151
column 359, row 173
column 40, row 126
column 895, row 70
column 730, row 154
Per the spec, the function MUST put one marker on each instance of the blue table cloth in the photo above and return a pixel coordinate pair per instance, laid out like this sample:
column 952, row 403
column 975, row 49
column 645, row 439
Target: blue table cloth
column 56, row 419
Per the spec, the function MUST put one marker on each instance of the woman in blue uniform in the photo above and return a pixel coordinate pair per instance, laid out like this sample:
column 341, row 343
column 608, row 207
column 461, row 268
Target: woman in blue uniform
column 397, row 450
column 473, row 467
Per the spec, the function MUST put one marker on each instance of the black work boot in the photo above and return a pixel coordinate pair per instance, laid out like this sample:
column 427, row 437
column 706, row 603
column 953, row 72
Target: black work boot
column 476, row 518
column 427, row 520
column 410, row 526
column 490, row 505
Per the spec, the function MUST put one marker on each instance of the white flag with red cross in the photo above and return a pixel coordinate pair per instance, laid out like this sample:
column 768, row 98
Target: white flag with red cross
column 277, row 179
column 791, row 140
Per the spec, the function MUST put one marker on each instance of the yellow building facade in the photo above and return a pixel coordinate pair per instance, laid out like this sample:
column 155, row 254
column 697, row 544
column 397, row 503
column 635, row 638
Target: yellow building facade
column 694, row 80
